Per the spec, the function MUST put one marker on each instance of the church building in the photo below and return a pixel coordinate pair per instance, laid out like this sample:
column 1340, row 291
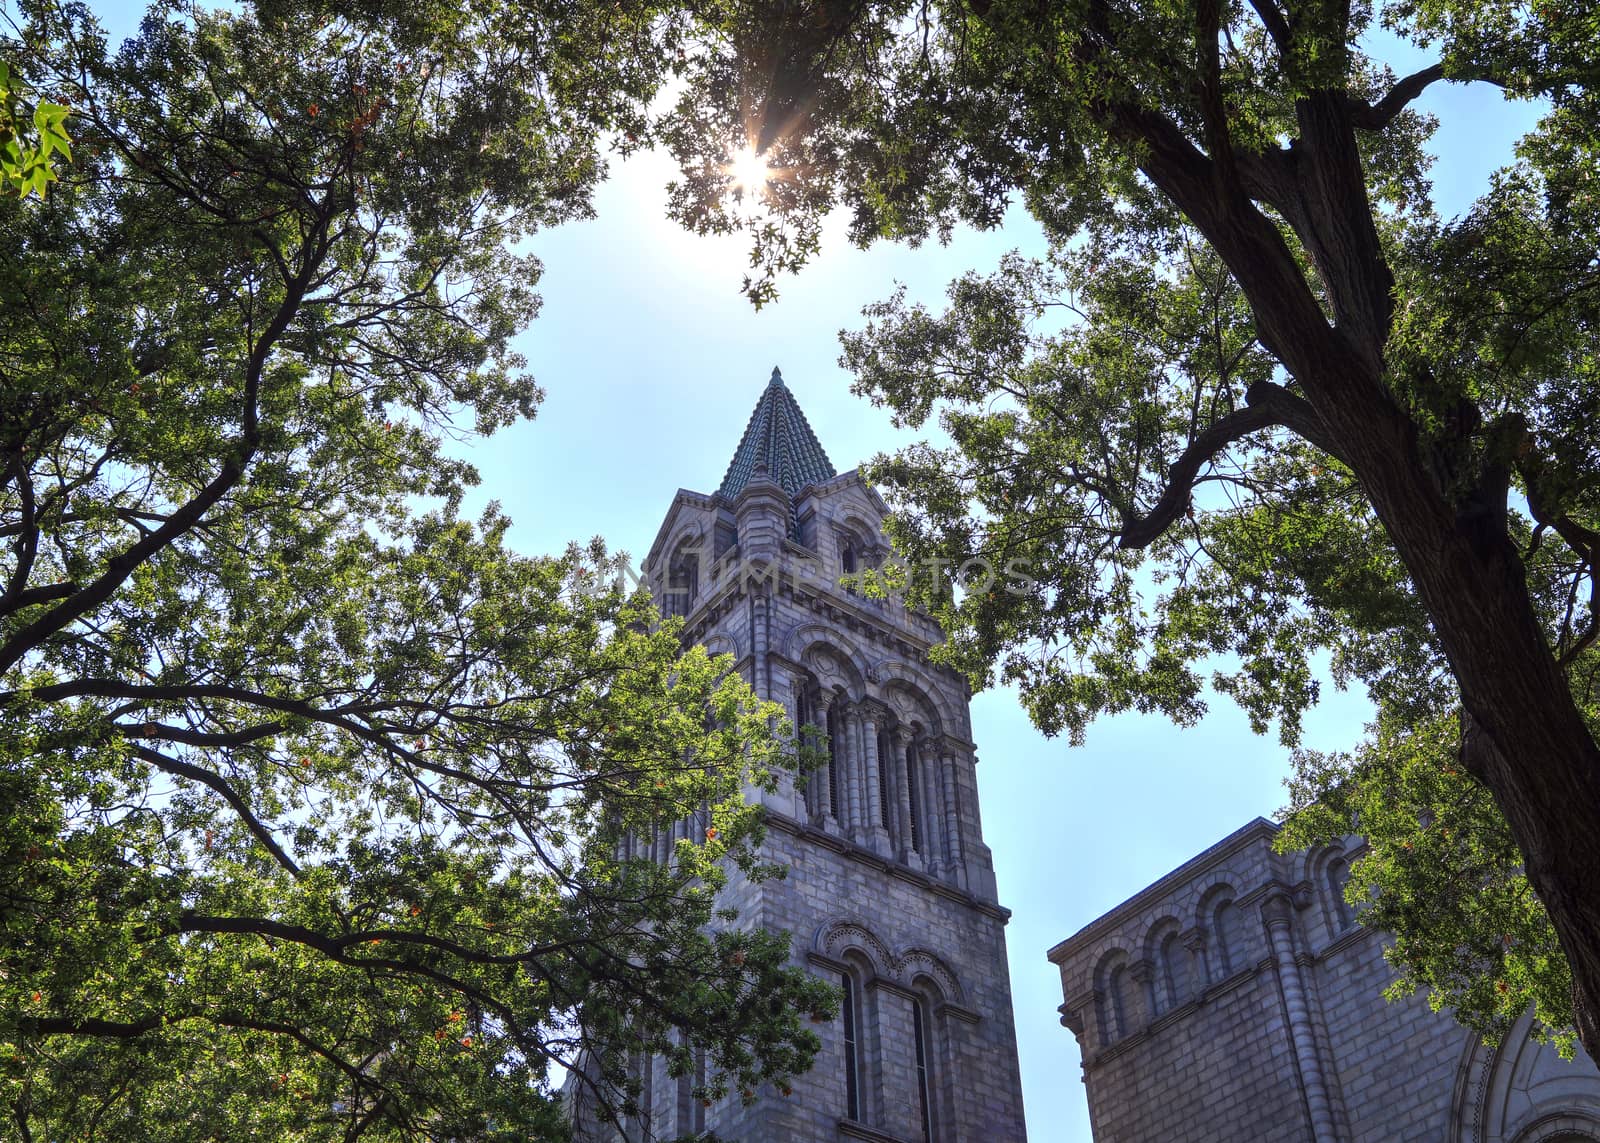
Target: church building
column 1237, row 999
column 890, row 890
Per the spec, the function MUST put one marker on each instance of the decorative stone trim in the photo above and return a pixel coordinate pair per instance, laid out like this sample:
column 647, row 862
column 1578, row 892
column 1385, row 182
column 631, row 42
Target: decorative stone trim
column 850, row 1129
column 861, row 854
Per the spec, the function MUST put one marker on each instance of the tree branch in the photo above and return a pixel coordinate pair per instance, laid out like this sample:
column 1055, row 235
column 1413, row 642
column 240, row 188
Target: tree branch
column 220, row 784
column 122, row 565
column 1268, row 405
column 1213, row 112
column 1276, row 25
column 1377, row 116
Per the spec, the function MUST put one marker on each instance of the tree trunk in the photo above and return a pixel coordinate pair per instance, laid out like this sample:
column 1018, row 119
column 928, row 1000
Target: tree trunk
column 1544, row 765
column 1469, row 576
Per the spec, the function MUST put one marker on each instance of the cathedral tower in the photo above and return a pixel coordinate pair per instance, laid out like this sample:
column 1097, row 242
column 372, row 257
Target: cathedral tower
column 890, row 890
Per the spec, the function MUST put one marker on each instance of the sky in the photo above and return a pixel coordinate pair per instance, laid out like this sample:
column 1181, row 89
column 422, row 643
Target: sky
column 653, row 361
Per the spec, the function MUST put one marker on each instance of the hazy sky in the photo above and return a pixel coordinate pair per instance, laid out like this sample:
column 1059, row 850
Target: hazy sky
column 653, row 361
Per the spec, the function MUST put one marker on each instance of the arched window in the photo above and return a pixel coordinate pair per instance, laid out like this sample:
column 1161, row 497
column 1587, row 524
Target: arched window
column 804, row 716
column 1337, row 873
column 922, row 1036
column 835, row 758
column 1229, row 928
column 691, row 1105
column 1175, row 969
column 914, row 795
column 683, row 579
column 847, row 557
column 1121, row 995
column 885, row 757
column 852, row 1048
column 1113, row 982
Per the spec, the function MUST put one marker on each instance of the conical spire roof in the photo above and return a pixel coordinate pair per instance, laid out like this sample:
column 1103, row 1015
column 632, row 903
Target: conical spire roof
column 779, row 439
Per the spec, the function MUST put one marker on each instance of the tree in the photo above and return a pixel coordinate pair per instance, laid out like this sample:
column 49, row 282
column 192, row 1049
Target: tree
column 1440, row 872
column 316, row 798
column 1260, row 401
column 30, row 138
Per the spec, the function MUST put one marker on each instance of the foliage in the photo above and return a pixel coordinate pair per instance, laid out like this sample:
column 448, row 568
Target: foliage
column 1441, row 872
column 1259, row 408
column 29, row 139
column 314, row 792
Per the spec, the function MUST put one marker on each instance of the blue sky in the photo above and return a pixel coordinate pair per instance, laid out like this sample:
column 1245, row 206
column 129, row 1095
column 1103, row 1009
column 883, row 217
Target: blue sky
column 652, row 362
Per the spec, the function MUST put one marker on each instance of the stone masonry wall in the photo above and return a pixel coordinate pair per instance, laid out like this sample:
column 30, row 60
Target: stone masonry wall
column 1237, row 999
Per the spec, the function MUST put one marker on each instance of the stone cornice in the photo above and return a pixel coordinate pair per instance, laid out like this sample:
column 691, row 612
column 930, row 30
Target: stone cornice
column 850, row 1129
column 863, row 856
column 1243, row 838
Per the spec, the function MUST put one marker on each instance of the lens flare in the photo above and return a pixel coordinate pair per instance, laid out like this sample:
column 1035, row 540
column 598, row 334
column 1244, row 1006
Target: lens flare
column 749, row 171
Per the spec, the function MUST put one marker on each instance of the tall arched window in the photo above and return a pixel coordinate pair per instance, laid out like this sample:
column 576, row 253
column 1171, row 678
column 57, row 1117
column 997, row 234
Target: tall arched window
column 1175, row 969
column 852, row 1048
column 1112, row 982
column 922, row 1034
column 1120, row 994
column 914, row 794
column 683, row 579
column 885, row 757
column 835, row 757
column 805, row 715
column 1230, row 937
column 1338, row 873
column 691, row 1107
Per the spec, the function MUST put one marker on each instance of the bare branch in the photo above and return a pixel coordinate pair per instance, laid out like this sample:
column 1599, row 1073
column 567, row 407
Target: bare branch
column 1377, row 116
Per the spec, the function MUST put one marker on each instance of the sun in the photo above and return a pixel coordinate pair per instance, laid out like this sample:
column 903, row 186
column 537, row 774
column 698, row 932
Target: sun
column 749, row 171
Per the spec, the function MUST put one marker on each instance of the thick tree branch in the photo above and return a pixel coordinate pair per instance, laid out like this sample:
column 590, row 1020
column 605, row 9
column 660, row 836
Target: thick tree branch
column 1296, row 414
column 1268, row 405
column 27, row 544
column 1377, row 116
column 1213, row 112
column 91, row 1026
column 122, row 565
column 166, row 733
column 221, row 785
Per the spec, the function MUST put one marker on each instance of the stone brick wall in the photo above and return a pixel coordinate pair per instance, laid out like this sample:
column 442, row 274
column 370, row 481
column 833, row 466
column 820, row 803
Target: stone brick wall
column 1270, row 1024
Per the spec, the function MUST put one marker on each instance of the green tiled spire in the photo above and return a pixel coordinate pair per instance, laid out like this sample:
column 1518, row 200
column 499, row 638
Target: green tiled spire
column 778, row 438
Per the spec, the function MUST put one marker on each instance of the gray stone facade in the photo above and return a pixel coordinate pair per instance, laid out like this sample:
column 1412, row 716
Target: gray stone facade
column 1236, row 999
column 890, row 887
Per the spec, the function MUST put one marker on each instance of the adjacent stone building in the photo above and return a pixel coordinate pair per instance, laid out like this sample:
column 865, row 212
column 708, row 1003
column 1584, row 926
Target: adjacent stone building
column 1236, row 999
column 890, row 889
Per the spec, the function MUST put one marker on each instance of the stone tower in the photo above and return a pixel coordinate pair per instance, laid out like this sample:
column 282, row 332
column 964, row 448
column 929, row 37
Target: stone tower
column 890, row 890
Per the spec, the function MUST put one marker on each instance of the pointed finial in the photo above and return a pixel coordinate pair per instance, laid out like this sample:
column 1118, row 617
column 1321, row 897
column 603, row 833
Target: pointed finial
column 777, row 378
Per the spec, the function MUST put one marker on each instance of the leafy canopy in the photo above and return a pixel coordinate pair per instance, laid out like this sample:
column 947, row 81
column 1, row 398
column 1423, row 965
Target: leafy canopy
column 321, row 808
column 1258, row 408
